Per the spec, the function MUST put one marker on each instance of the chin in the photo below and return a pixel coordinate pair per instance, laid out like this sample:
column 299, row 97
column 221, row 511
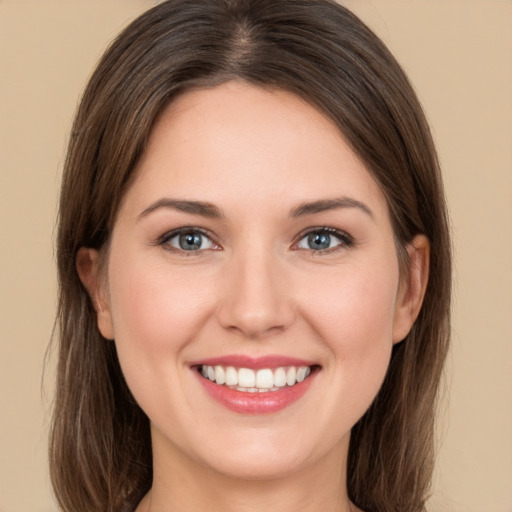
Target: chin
column 264, row 454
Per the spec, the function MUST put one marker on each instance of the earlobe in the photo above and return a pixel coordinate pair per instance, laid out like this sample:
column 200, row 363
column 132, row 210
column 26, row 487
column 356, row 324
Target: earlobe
column 88, row 268
column 412, row 287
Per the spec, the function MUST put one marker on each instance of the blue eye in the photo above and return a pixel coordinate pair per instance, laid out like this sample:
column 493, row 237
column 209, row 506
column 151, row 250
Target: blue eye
column 324, row 239
column 188, row 240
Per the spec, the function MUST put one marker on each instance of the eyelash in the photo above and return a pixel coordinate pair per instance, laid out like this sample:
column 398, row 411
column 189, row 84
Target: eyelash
column 346, row 241
column 165, row 239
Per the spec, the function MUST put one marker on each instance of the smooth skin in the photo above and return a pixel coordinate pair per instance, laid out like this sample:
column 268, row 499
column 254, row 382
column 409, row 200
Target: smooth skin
column 247, row 278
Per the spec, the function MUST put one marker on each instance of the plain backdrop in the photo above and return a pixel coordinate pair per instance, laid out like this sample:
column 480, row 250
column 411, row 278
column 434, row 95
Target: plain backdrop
column 458, row 54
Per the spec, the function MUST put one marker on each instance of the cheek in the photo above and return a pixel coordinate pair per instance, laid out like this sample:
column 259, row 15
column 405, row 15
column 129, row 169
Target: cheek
column 154, row 305
column 355, row 302
column 352, row 314
column 155, row 314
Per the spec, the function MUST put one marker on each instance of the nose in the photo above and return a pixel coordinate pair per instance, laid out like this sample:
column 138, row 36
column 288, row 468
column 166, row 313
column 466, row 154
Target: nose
column 257, row 298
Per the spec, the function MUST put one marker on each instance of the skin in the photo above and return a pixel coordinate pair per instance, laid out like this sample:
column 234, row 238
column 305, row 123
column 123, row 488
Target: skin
column 257, row 288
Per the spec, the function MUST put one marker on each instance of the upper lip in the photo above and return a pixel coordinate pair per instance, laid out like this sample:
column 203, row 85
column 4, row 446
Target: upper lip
column 255, row 363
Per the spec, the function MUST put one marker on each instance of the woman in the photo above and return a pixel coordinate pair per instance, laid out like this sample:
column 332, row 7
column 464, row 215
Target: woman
column 254, row 269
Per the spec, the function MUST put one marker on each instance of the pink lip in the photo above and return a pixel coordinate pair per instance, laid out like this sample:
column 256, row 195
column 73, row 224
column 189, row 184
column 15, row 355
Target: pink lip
column 254, row 363
column 255, row 403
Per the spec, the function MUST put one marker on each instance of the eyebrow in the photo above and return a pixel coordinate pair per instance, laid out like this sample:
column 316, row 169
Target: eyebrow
column 209, row 210
column 324, row 205
column 194, row 207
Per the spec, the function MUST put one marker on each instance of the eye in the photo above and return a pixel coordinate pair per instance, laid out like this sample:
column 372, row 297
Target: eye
column 188, row 240
column 323, row 239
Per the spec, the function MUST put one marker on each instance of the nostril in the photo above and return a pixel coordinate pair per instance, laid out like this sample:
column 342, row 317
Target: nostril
column 255, row 322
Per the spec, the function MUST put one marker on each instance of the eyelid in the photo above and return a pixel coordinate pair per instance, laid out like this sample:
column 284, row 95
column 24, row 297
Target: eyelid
column 345, row 239
column 164, row 239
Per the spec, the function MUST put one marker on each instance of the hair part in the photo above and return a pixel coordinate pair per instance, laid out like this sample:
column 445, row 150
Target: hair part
column 100, row 447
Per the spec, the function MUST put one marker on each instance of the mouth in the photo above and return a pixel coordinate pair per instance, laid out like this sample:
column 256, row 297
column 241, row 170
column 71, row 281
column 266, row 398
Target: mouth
column 263, row 380
column 256, row 386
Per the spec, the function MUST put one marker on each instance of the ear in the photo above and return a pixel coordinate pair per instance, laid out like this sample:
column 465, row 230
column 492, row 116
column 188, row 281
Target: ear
column 89, row 270
column 412, row 287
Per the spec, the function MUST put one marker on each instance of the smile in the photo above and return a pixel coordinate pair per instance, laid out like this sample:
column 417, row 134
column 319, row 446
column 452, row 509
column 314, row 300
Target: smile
column 262, row 385
column 255, row 381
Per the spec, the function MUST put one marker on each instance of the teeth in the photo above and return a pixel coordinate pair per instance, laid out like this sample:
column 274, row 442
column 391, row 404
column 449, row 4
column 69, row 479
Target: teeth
column 280, row 377
column 246, row 378
column 220, row 375
column 251, row 381
column 290, row 376
column 264, row 379
column 231, row 376
column 301, row 374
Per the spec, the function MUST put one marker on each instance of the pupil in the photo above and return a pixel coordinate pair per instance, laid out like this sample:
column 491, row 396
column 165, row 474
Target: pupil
column 319, row 241
column 190, row 241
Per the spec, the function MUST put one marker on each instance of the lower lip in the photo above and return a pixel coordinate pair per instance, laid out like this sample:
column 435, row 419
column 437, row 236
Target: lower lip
column 256, row 403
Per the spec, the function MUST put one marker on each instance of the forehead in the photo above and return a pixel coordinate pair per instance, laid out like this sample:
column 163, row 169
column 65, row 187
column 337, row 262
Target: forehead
column 237, row 143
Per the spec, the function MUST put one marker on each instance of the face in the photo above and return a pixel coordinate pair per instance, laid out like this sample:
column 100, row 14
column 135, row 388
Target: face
column 252, row 285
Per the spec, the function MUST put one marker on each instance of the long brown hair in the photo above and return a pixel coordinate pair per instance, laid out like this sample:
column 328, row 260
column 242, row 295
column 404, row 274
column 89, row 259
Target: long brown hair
column 100, row 449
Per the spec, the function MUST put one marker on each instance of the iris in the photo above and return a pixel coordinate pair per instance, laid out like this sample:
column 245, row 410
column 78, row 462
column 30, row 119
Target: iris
column 190, row 241
column 319, row 241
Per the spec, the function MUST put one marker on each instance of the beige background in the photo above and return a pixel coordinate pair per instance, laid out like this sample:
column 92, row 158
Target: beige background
column 458, row 54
